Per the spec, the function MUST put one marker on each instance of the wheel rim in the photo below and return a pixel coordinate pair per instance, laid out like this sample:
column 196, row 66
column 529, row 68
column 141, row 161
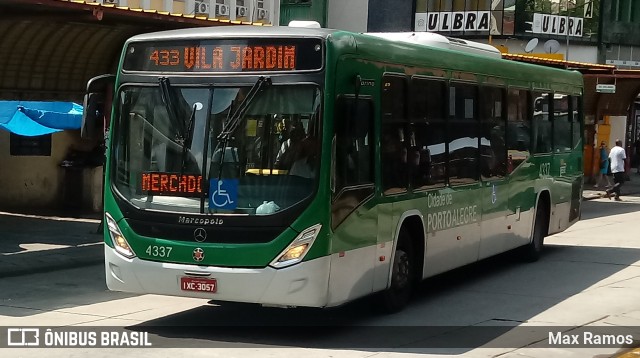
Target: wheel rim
column 401, row 270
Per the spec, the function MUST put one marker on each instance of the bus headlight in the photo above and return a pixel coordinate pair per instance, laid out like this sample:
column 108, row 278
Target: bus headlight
column 296, row 251
column 119, row 242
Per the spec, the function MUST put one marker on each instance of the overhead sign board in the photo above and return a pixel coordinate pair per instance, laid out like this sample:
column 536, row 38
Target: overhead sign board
column 458, row 21
column 225, row 55
column 604, row 88
column 557, row 25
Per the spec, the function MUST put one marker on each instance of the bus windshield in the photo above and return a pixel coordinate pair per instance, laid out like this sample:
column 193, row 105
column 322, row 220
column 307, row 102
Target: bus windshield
column 169, row 155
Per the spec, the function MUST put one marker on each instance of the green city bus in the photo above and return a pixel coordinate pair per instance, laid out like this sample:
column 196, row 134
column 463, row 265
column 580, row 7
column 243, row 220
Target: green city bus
column 310, row 167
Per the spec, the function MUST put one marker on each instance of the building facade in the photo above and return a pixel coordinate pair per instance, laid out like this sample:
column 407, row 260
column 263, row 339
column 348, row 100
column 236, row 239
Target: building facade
column 593, row 31
column 517, row 26
column 311, row 10
column 252, row 11
column 590, row 31
column 43, row 174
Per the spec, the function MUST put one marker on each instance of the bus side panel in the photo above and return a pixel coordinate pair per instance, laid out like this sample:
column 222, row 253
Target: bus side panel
column 452, row 217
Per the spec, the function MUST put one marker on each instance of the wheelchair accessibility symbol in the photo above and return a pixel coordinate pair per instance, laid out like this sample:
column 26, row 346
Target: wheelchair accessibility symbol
column 223, row 194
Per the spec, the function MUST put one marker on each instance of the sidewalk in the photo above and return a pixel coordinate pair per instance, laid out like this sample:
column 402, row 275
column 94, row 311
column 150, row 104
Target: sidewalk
column 629, row 187
column 34, row 243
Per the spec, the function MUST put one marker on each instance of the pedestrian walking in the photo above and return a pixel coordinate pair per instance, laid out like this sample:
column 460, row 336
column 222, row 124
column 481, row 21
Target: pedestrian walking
column 618, row 158
column 604, row 168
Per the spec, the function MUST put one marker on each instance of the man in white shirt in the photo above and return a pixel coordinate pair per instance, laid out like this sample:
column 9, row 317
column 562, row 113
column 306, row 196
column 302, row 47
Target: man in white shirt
column 617, row 158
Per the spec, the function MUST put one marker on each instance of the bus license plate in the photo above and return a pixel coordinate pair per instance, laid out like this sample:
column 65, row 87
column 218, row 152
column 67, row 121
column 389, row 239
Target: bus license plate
column 198, row 284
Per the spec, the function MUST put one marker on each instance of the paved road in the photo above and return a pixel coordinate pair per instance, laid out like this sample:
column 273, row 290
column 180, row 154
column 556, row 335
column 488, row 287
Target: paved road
column 588, row 279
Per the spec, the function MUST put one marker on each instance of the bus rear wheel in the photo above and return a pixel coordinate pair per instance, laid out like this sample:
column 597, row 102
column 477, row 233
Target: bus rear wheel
column 532, row 251
column 397, row 296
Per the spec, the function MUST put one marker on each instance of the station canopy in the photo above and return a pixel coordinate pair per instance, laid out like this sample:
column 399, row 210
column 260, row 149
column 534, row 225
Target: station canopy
column 625, row 84
column 51, row 48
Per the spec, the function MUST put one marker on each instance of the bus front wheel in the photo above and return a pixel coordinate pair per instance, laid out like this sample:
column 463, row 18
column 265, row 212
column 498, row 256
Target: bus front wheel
column 532, row 251
column 397, row 296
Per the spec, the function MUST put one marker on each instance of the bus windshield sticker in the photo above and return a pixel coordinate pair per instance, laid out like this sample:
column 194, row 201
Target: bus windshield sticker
column 225, row 55
column 223, row 194
column 171, row 184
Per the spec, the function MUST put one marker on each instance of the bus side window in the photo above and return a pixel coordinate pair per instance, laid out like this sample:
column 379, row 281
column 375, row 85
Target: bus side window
column 493, row 151
column 427, row 99
column 561, row 123
column 542, row 117
column 354, row 149
column 462, row 134
column 394, row 139
column 518, row 128
column 352, row 166
column 576, row 127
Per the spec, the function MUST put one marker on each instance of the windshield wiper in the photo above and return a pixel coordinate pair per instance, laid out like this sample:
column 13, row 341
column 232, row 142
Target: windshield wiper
column 234, row 121
column 188, row 138
column 168, row 101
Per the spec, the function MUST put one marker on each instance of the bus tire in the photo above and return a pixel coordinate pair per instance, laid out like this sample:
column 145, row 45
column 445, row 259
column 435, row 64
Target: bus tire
column 397, row 296
column 533, row 250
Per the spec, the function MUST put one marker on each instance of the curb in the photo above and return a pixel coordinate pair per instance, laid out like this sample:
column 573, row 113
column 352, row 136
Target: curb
column 592, row 197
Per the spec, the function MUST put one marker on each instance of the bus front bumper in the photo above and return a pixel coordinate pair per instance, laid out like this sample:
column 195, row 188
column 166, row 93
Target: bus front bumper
column 304, row 284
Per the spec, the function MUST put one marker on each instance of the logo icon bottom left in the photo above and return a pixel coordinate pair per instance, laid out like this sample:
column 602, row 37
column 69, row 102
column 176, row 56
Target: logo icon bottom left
column 23, row 337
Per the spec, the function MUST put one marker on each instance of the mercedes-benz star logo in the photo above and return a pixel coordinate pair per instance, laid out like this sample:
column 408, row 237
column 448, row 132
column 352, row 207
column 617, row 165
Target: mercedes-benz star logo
column 200, row 234
column 198, row 254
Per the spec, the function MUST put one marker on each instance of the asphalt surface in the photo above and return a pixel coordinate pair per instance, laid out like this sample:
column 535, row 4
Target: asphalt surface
column 35, row 243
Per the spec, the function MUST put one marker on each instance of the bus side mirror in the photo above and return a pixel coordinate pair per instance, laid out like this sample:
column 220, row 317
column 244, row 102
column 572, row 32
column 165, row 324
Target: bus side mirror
column 92, row 116
column 97, row 106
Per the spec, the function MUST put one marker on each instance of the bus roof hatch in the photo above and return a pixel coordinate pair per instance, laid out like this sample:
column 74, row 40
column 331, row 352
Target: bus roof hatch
column 436, row 40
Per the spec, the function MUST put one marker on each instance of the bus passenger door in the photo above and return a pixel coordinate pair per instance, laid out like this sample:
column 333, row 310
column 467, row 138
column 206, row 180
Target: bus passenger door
column 495, row 227
column 353, row 211
column 521, row 171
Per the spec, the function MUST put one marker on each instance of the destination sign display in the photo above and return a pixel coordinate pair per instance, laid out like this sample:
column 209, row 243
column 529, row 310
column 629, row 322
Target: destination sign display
column 225, row 55
column 171, row 184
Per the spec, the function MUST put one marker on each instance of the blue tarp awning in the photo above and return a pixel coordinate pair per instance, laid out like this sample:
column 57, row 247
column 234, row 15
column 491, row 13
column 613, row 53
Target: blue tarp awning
column 30, row 118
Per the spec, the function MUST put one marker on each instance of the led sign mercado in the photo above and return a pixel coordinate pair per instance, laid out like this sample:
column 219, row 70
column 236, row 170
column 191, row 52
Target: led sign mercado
column 171, row 184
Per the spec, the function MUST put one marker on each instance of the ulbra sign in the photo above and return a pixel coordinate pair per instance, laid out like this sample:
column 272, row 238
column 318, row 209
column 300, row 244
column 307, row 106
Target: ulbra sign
column 557, row 25
column 463, row 21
